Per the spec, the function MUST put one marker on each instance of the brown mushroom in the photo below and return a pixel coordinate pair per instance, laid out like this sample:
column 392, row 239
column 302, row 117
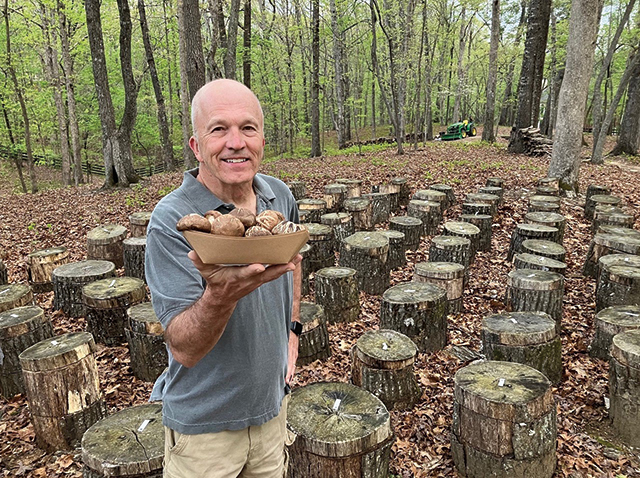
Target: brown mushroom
column 212, row 215
column 287, row 227
column 257, row 231
column 193, row 222
column 268, row 221
column 247, row 217
column 227, row 225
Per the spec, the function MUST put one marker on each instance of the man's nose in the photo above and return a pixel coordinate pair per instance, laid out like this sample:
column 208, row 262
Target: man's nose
column 235, row 139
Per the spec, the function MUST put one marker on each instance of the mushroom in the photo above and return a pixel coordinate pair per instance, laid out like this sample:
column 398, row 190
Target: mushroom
column 247, row 217
column 193, row 222
column 257, row 231
column 212, row 215
column 227, row 225
column 287, row 227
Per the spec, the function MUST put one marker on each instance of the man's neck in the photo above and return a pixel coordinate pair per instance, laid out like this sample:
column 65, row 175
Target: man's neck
column 239, row 195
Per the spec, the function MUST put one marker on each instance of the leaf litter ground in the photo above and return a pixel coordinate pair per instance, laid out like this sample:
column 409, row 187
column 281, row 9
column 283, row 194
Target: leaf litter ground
column 587, row 447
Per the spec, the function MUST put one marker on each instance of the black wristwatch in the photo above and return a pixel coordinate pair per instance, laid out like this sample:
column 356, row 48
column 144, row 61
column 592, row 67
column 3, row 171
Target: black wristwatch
column 296, row 328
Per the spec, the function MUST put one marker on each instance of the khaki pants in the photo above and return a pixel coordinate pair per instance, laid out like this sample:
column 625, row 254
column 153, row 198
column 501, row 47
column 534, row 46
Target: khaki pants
column 254, row 452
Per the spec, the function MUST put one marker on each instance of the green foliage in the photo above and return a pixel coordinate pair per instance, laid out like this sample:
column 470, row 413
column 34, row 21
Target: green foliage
column 162, row 192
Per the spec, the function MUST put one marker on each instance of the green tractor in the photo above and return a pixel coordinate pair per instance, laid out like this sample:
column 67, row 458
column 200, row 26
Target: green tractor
column 459, row 130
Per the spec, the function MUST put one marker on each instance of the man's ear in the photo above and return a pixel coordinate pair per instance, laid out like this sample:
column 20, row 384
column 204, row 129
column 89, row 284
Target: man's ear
column 195, row 147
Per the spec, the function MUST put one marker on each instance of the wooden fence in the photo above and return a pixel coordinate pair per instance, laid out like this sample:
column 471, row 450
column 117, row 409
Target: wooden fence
column 87, row 167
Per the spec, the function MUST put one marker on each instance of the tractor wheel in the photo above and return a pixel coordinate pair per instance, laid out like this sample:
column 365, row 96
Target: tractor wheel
column 463, row 134
column 473, row 131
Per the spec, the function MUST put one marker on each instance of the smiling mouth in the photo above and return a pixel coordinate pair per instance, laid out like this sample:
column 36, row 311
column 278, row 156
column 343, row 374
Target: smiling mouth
column 235, row 160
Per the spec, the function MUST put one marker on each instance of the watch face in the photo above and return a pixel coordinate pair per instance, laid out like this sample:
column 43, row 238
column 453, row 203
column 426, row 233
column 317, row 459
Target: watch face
column 296, row 328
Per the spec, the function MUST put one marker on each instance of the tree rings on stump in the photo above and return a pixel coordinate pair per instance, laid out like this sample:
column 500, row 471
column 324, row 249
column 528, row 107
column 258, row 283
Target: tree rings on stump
column 367, row 253
column 532, row 261
column 15, row 295
column 550, row 219
column 522, row 232
column 334, row 196
column 322, row 246
column 129, row 443
column 314, row 340
column 105, row 243
column 533, row 290
column 138, row 222
column 464, row 229
column 419, row 311
column 504, row 421
column 539, row 247
column 543, row 206
column 397, row 249
column 411, row 227
column 145, row 336
column 41, row 264
column 133, row 249
column 361, row 210
column 63, row 389
column 337, row 292
column 450, row 249
column 342, row 225
column 596, row 189
column 340, row 430
column 69, row 279
column 610, row 322
column 315, row 208
column 107, row 301
column 20, row 328
column 446, row 275
column 624, row 386
column 528, row 338
column 448, row 190
column 597, row 200
column 611, row 240
column 433, row 196
column 382, row 363
column 618, row 285
column 428, row 212
column 484, row 222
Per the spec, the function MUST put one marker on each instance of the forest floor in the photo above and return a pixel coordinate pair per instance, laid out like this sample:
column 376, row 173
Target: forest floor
column 586, row 445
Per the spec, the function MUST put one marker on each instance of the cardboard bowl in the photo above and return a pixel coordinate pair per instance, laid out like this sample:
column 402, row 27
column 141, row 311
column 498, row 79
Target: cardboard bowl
column 216, row 249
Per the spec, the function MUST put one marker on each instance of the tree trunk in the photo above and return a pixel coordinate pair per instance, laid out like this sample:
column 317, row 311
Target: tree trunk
column 167, row 145
column 185, row 120
column 315, row 80
column 195, row 69
column 23, row 105
column 583, row 29
column 487, row 132
column 632, row 71
column 461, row 48
column 76, row 146
column 507, row 101
column 246, row 45
column 338, row 80
column 629, row 138
column 232, row 41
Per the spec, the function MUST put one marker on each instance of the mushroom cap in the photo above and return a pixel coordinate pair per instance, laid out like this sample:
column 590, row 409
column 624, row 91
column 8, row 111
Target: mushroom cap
column 193, row 222
column 268, row 221
column 227, row 225
column 247, row 217
column 256, row 231
column 287, row 227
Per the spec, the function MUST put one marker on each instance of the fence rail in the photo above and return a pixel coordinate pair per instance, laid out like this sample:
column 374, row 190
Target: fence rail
column 87, row 167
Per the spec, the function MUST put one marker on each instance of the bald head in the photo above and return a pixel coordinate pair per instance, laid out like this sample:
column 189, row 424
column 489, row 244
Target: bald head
column 222, row 91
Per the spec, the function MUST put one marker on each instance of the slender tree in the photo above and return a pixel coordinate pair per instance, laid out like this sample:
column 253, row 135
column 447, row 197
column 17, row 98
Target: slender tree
column 461, row 70
column 315, row 79
column 246, row 44
column 487, row 132
column 629, row 137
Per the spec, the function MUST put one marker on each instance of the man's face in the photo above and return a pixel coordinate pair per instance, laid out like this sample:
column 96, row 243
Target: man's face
column 229, row 138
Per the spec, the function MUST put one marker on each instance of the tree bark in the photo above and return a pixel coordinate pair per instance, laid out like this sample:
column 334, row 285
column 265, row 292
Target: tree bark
column 195, row 69
column 629, row 138
column 165, row 139
column 315, row 80
column 507, row 100
column 487, row 132
column 232, row 41
column 583, row 29
column 338, row 51
column 461, row 76
column 246, row 45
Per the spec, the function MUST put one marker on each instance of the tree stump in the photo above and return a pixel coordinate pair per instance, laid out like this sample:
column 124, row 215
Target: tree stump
column 107, row 301
column 543, row 206
column 314, row 340
column 432, row 195
column 337, row 292
column 354, row 187
column 298, row 189
column 304, row 252
column 4, row 277
column 494, row 190
column 609, row 260
column 129, row 443
column 105, row 243
column 450, row 249
column 20, row 328
column 448, row 191
column 610, row 322
column 133, row 249
column 596, row 189
column 428, row 212
column 545, row 198
column 618, row 285
column 342, row 225
column 525, row 260
column 598, row 200
column 496, row 182
column 411, row 227
column 549, row 249
column 446, row 275
column 419, row 311
column 334, row 196
column 550, row 219
column 145, row 337
column 393, row 190
column 624, row 386
column 15, row 295
column 480, row 198
column 361, row 210
column 484, row 223
column 322, row 247
column 367, row 253
column 303, row 215
column 466, row 230
column 522, row 232
column 40, row 266
column 547, row 191
column 380, row 207
column 477, row 208
column 69, row 279
column 553, row 183
column 504, row 421
column 403, row 195
column 315, row 208
column 397, row 249
column 533, row 290
column 382, row 363
column 341, row 431
column 528, row 338
column 618, row 241
column 138, row 222
column 62, row 387
column 611, row 216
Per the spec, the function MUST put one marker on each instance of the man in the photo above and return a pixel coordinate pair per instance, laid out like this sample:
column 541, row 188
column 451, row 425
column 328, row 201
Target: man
column 231, row 356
